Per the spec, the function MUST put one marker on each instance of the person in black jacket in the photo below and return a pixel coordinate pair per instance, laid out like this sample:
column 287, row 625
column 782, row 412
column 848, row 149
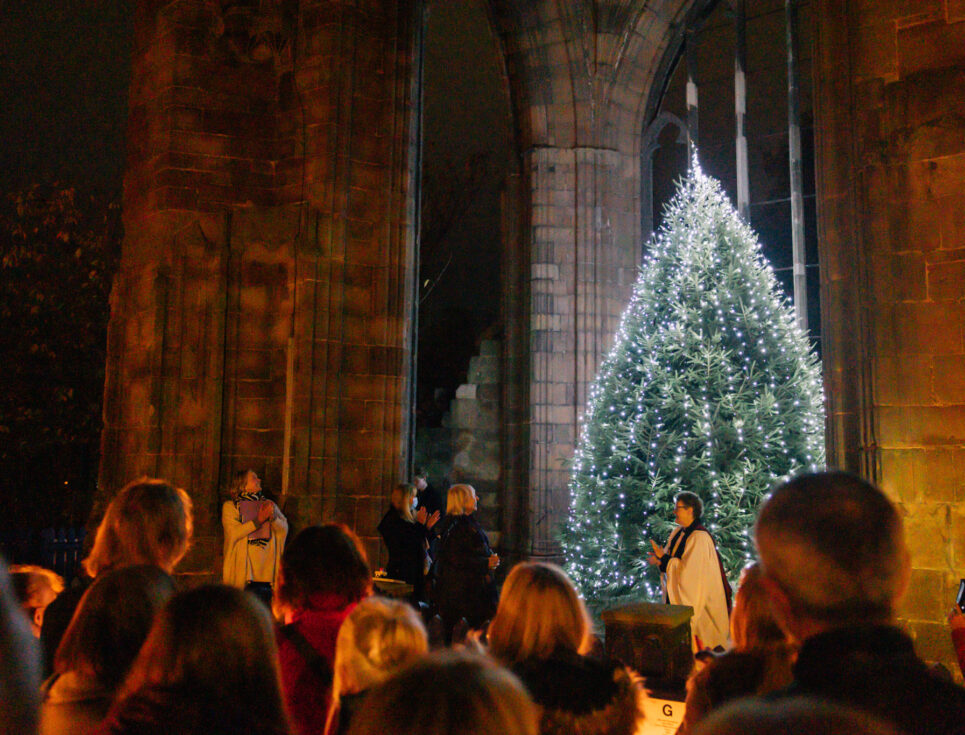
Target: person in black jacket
column 543, row 634
column 836, row 565
column 406, row 535
column 464, row 568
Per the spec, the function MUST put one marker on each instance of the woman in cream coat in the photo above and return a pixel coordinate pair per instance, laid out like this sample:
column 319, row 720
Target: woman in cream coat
column 249, row 561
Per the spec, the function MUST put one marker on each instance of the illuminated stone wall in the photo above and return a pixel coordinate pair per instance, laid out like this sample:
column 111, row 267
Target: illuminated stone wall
column 891, row 176
column 267, row 213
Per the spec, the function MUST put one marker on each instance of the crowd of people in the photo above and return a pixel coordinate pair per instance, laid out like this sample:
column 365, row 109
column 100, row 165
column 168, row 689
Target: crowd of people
column 294, row 641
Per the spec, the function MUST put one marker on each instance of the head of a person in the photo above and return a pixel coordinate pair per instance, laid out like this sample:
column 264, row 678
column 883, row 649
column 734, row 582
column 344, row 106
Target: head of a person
column 111, row 623
column 833, row 552
column 688, row 507
column 795, row 716
column 379, row 638
column 216, row 644
column 539, row 613
column 325, row 560
column 148, row 522
column 20, row 667
column 446, row 693
column 244, row 481
column 461, row 500
column 752, row 622
column 403, row 499
column 420, row 478
column 35, row 588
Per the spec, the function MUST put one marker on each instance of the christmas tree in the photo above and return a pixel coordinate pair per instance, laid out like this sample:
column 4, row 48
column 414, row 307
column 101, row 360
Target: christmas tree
column 710, row 387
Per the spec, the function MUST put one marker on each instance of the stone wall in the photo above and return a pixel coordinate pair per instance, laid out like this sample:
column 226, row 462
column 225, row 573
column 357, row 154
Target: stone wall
column 475, row 424
column 259, row 318
column 890, row 138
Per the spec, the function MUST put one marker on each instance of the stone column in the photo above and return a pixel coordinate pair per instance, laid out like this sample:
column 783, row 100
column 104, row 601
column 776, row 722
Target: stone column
column 267, row 257
column 891, row 172
column 582, row 268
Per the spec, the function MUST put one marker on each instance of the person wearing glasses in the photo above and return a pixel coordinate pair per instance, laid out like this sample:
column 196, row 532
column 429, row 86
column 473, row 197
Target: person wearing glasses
column 692, row 574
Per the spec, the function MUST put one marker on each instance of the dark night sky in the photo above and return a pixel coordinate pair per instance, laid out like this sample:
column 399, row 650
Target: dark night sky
column 64, row 72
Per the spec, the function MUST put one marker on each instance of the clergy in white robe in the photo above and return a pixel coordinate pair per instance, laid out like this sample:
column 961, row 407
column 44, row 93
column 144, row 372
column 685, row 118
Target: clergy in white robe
column 692, row 574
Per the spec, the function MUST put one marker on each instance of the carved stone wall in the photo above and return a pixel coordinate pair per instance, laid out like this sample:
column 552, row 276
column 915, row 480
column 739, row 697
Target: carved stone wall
column 891, row 174
column 259, row 318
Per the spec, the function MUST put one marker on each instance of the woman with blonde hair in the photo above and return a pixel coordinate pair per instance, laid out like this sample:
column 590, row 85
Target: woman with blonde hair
column 209, row 665
column 379, row 638
column 254, row 537
column 759, row 663
column 543, row 634
column 450, row 693
column 406, row 535
column 149, row 522
column 465, row 588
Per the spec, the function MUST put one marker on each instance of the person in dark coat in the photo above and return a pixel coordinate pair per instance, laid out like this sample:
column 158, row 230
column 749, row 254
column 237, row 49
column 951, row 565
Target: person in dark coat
column 836, row 565
column 542, row 633
column 465, row 587
column 378, row 639
column 406, row 535
column 429, row 496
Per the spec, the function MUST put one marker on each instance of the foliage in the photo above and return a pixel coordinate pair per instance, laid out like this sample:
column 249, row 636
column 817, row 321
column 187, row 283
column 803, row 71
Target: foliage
column 58, row 254
column 710, row 387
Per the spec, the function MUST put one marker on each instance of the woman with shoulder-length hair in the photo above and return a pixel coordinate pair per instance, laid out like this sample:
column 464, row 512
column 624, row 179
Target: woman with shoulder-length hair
column 465, row 587
column 102, row 641
column 208, row 666
column 406, row 536
column 692, row 574
column 324, row 574
column 254, row 536
column 148, row 522
column 379, row 638
column 759, row 663
column 543, row 634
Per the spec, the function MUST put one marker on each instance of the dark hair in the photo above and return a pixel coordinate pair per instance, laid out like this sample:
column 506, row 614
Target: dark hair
column 420, row 471
column 327, row 558
column 215, row 645
column 446, row 693
column 111, row 623
column 834, row 543
column 691, row 500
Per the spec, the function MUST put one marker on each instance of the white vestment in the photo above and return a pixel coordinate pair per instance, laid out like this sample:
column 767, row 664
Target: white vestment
column 694, row 579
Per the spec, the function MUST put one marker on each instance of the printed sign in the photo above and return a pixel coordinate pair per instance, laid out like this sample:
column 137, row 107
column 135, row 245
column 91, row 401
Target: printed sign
column 663, row 716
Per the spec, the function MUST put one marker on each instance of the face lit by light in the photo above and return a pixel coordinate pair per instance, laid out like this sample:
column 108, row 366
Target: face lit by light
column 252, row 483
column 683, row 514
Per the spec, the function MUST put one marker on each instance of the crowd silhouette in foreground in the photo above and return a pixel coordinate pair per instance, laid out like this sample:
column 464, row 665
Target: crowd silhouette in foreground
column 814, row 644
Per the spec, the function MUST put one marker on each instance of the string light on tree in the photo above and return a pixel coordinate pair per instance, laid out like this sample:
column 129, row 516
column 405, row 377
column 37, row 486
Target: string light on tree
column 710, row 387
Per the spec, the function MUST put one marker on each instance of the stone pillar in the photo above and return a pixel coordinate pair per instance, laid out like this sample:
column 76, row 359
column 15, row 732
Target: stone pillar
column 580, row 277
column 891, row 171
column 262, row 222
column 475, row 417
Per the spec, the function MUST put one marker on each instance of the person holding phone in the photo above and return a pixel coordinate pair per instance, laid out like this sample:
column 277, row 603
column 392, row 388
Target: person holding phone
column 956, row 621
column 254, row 537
